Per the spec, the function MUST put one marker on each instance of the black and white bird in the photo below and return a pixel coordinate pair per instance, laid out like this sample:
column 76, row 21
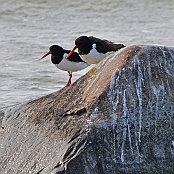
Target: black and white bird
column 92, row 50
column 58, row 58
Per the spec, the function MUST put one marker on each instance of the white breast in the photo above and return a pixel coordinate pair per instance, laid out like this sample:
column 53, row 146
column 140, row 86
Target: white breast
column 94, row 57
column 67, row 65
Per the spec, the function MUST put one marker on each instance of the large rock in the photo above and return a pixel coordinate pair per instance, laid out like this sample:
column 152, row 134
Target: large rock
column 116, row 119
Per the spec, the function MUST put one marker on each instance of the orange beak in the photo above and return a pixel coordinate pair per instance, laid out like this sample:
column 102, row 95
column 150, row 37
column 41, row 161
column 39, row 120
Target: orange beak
column 72, row 51
column 49, row 52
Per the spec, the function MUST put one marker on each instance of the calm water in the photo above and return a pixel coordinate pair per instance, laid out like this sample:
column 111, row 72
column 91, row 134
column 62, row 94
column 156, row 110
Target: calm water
column 29, row 27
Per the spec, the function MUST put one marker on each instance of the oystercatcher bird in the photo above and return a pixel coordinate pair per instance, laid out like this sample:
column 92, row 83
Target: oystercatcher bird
column 58, row 58
column 92, row 50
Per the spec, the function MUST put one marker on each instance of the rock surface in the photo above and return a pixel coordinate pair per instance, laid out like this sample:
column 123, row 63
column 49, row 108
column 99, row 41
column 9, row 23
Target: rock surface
column 116, row 119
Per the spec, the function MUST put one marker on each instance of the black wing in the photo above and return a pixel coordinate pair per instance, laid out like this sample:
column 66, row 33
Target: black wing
column 74, row 56
column 104, row 46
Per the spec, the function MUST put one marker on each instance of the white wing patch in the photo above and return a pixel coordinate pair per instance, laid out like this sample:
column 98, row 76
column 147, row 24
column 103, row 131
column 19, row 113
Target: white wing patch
column 67, row 65
column 94, row 57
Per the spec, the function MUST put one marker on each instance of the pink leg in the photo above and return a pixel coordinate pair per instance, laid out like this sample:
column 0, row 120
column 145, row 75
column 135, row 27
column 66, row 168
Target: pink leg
column 69, row 80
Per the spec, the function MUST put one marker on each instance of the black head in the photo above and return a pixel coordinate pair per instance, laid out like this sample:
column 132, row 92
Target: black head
column 83, row 44
column 82, row 40
column 56, row 54
column 56, row 50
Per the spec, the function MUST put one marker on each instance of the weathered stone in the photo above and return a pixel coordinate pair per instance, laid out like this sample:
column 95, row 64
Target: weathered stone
column 116, row 119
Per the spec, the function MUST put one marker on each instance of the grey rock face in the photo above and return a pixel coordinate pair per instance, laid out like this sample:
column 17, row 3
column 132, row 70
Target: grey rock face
column 116, row 119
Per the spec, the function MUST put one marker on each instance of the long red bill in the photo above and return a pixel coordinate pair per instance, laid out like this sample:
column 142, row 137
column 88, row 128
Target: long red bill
column 72, row 51
column 49, row 52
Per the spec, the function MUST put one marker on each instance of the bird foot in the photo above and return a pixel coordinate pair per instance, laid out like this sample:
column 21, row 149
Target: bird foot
column 69, row 80
column 67, row 85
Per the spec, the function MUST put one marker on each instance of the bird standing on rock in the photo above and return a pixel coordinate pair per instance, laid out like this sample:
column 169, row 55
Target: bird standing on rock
column 58, row 58
column 92, row 50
